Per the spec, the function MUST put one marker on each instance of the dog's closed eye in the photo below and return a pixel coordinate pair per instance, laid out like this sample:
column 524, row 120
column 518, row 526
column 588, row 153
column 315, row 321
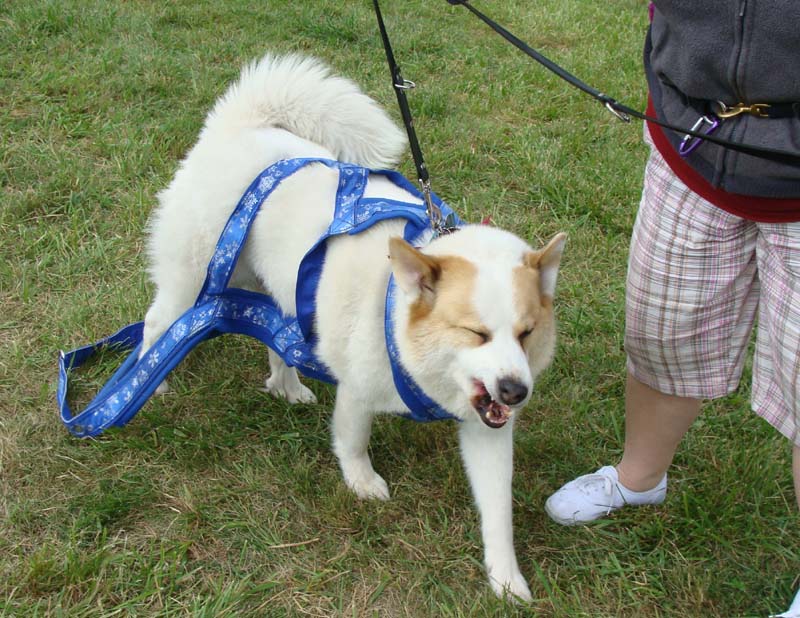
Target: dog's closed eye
column 524, row 335
column 482, row 335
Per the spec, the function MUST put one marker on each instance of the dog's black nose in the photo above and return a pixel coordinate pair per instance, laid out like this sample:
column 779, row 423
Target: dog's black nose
column 511, row 391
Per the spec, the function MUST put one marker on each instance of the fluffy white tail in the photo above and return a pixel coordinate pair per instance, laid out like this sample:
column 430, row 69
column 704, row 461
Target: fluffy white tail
column 299, row 94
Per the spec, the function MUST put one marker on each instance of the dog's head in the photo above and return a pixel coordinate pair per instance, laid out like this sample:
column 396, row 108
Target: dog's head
column 475, row 322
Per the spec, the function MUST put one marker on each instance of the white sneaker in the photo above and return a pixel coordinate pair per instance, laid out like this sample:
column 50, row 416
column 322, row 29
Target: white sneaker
column 592, row 496
column 793, row 611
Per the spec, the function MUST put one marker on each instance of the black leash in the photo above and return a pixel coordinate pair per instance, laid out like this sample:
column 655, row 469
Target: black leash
column 623, row 112
column 400, row 86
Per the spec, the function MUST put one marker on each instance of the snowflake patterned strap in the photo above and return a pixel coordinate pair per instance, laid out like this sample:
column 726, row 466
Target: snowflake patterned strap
column 220, row 309
column 137, row 378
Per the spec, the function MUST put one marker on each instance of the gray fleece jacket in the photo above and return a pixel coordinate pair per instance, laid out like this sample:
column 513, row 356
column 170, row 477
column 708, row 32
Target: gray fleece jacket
column 701, row 51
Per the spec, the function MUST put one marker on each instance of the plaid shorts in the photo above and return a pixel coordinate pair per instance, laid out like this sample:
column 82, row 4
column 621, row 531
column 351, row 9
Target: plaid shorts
column 697, row 279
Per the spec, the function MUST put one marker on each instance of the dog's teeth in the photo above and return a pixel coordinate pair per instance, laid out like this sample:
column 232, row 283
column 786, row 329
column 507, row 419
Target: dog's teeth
column 493, row 413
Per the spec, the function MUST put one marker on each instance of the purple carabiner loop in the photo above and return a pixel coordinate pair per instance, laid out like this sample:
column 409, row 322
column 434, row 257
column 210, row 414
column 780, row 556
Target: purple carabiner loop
column 690, row 143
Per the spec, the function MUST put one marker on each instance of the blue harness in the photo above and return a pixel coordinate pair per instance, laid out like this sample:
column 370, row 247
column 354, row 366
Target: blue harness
column 220, row 309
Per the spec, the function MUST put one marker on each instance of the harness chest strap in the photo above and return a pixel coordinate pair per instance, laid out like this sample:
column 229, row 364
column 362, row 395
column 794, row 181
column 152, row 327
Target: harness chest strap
column 422, row 407
column 220, row 309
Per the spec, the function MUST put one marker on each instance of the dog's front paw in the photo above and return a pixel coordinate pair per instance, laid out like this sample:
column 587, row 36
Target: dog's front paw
column 511, row 584
column 369, row 487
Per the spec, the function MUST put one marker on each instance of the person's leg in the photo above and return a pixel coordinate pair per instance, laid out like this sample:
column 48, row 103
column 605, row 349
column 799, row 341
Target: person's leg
column 796, row 473
column 690, row 302
column 794, row 610
column 691, row 297
column 655, row 423
column 776, row 367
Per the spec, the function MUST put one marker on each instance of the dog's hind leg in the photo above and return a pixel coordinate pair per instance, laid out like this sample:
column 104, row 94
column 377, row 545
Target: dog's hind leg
column 166, row 308
column 351, row 428
column 487, row 455
column 283, row 382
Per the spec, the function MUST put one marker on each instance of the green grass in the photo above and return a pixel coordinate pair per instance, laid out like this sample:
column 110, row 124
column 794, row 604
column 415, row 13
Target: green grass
column 219, row 501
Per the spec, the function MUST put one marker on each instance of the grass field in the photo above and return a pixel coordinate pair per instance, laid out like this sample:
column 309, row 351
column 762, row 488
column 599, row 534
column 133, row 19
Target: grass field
column 220, row 501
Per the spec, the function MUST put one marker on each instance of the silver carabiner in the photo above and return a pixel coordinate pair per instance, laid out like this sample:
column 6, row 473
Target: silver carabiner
column 621, row 115
column 690, row 143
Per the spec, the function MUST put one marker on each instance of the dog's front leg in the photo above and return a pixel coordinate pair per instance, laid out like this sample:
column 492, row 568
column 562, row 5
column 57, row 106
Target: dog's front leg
column 351, row 428
column 487, row 455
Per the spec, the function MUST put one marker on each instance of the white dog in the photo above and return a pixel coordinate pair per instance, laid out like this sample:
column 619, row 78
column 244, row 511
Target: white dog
column 473, row 312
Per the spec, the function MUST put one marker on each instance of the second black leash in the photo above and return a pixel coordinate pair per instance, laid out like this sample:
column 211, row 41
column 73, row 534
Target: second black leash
column 623, row 112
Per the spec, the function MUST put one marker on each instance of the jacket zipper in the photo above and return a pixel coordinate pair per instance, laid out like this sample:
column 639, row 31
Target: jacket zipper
column 735, row 82
column 724, row 155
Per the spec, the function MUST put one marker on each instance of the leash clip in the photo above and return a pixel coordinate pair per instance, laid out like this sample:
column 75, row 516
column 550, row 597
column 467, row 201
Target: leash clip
column 432, row 210
column 406, row 84
column 440, row 226
column 754, row 109
column 690, row 143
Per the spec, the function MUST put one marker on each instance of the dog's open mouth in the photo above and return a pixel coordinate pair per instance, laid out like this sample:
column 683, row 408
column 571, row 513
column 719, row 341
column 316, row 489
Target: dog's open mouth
column 492, row 413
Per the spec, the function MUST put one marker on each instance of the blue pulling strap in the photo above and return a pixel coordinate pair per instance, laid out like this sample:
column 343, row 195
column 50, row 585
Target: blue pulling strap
column 220, row 309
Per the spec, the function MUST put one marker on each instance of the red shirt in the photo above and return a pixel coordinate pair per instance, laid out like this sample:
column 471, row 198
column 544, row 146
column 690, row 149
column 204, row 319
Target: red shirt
column 761, row 209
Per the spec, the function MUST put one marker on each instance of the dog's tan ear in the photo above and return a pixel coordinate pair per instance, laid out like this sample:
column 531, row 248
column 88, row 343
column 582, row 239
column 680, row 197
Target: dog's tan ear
column 547, row 261
column 415, row 272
